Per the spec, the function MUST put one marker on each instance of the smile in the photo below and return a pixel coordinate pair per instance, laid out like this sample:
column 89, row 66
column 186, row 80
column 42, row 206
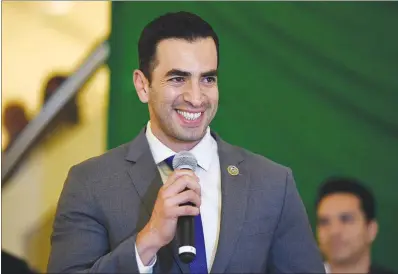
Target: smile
column 190, row 115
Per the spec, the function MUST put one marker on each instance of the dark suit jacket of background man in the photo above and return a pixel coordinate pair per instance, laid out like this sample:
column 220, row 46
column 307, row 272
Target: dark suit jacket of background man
column 108, row 199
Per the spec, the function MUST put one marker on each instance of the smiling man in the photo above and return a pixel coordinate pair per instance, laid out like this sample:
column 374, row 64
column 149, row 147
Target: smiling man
column 118, row 212
column 181, row 90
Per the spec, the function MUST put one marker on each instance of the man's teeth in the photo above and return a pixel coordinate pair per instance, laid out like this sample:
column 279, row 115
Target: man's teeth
column 189, row 115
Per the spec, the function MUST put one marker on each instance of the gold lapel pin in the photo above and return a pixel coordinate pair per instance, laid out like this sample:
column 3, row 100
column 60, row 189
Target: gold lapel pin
column 233, row 170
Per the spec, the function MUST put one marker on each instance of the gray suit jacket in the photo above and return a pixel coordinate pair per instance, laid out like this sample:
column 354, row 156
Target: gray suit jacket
column 108, row 199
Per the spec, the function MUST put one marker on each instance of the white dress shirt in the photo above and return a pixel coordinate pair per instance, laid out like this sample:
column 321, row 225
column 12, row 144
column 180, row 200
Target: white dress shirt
column 209, row 175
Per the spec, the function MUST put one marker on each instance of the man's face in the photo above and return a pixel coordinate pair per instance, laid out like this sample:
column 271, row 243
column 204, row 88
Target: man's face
column 344, row 234
column 183, row 93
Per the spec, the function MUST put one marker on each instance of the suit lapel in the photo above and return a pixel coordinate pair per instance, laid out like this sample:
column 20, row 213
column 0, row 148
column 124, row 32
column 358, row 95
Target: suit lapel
column 233, row 204
column 147, row 181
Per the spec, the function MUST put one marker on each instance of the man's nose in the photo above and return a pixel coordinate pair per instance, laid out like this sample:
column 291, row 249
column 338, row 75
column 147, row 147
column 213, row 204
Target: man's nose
column 335, row 228
column 193, row 95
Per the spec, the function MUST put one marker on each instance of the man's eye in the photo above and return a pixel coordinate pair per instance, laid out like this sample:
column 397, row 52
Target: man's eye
column 210, row 79
column 346, row 218
column 177, row 79
column 323, row 222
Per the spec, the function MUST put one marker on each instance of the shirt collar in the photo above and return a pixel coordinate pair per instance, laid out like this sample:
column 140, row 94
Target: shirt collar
column 327, row 268
column 202, row 151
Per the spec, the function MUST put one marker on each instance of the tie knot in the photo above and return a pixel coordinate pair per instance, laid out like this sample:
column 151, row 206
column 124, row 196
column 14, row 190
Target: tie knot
column 169, row 162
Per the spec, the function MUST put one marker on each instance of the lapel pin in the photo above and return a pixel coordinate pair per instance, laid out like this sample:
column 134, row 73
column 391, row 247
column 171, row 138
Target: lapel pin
column 233, row 170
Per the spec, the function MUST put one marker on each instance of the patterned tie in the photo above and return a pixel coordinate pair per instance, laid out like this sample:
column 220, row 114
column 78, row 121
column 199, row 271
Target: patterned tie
column 199, row 264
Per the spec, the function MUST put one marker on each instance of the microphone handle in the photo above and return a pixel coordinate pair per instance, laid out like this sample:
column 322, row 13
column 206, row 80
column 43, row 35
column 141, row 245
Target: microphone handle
column 186, row 238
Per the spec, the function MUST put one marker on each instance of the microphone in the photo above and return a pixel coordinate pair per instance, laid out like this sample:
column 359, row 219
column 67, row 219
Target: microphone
column 186, row 224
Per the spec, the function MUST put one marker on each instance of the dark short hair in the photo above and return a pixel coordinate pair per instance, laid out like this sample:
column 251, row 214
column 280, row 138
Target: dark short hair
column 352, row 186
column 179, row 25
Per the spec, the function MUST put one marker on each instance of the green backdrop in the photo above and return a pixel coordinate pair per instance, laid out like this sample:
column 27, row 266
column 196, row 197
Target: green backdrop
column 311, row 85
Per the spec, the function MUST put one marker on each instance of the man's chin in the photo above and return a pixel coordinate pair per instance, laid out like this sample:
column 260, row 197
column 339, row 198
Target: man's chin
column 341, row 259
column 190, row 134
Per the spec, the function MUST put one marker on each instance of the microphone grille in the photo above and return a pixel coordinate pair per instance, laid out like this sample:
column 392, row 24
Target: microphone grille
column 185, row 160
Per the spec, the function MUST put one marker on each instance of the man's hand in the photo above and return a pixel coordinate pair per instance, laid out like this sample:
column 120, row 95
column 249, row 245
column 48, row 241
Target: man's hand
column 161, row 228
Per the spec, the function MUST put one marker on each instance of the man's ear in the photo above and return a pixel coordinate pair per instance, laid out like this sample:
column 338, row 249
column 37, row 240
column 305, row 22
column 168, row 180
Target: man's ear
column 141, row 84
column 373, row 228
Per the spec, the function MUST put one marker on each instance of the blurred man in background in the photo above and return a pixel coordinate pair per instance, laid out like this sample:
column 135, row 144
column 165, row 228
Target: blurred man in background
column 347, row 226
column 69, row 115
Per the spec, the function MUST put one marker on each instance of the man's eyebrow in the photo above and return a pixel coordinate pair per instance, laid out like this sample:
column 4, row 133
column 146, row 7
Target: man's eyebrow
column 177, row 72
column 181, row 73
column 212, row 72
